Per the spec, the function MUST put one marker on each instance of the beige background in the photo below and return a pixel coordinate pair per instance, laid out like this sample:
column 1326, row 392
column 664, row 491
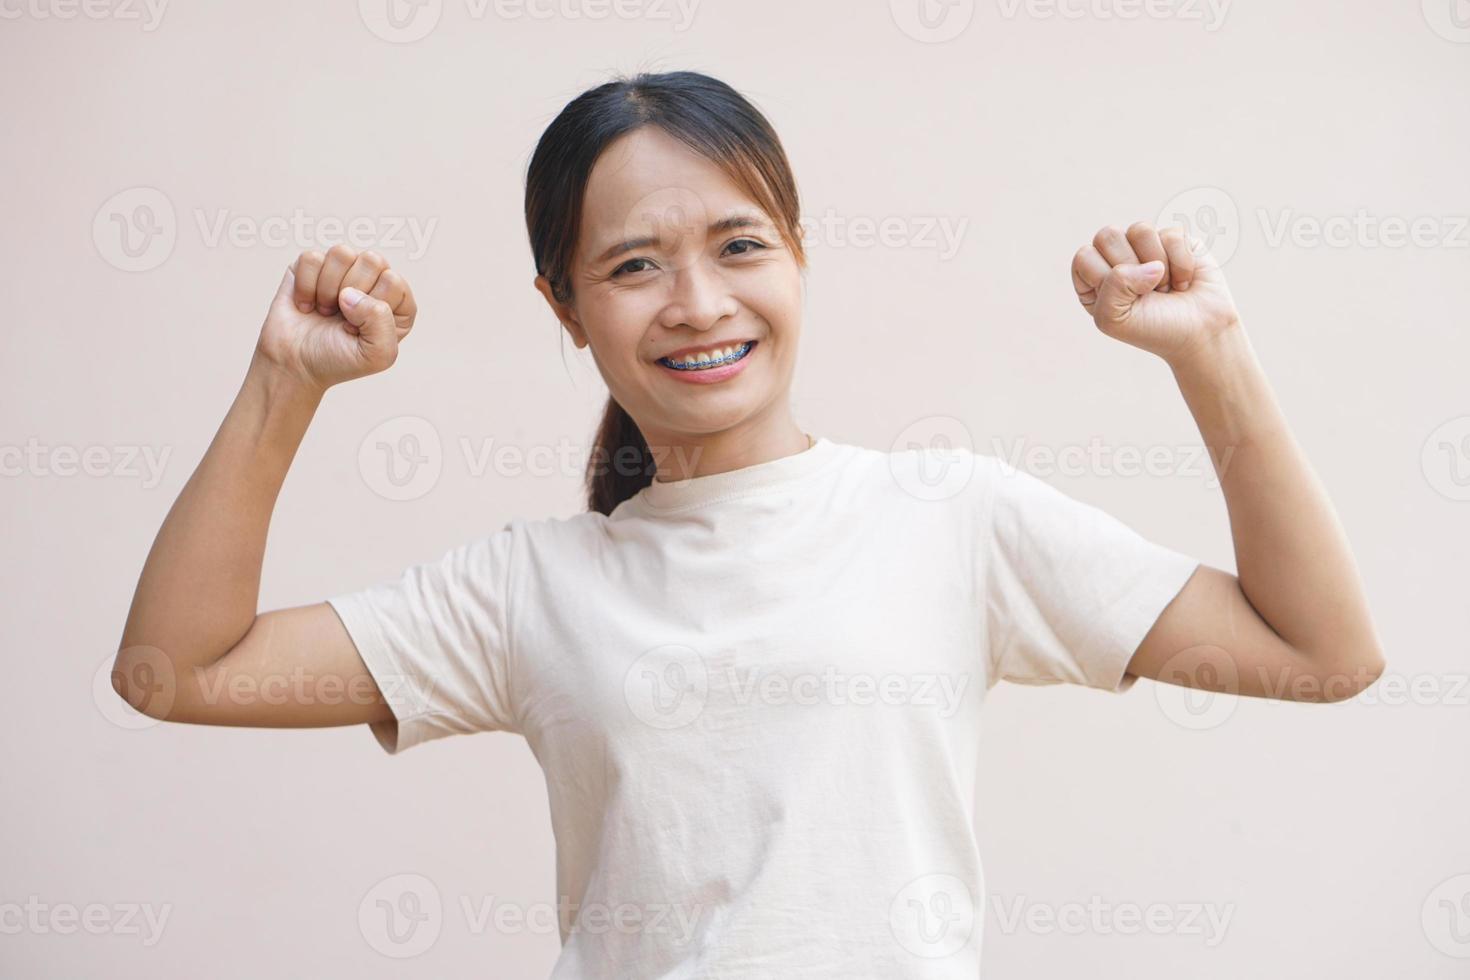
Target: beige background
column 1333, row 837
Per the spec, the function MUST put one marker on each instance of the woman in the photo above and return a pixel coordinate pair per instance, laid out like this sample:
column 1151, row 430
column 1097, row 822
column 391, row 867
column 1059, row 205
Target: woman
column 752, row 670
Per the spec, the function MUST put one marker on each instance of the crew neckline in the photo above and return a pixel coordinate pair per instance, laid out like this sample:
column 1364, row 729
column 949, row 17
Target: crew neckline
column 692, row 491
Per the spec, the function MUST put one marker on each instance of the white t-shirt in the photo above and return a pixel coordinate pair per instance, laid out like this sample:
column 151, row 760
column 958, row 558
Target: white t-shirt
column 755, row 696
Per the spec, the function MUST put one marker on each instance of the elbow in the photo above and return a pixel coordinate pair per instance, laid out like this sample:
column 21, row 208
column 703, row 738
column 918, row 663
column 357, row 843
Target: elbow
column 1361, row 674
column 144, row 678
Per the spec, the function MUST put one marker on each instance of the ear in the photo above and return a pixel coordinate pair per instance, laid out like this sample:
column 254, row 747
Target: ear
column 563, row 311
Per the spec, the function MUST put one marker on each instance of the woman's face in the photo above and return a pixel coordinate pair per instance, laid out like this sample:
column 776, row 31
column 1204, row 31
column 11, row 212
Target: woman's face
column 672, row 256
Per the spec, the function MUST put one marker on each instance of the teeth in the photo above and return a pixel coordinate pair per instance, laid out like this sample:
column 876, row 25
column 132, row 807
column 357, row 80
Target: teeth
column 708, row 357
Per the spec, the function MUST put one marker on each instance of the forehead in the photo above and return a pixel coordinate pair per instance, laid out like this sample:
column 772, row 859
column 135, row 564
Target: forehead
column 644, row 176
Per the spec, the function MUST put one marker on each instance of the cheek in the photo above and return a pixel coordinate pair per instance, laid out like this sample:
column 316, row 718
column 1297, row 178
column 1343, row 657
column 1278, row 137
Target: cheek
column 777, row 299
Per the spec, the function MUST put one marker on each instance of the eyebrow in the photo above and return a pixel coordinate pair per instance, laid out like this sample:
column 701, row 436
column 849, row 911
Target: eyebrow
column 724, row 224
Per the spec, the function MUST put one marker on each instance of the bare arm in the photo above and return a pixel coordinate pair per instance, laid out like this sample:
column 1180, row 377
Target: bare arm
column 1293, row 623
column 193, row 647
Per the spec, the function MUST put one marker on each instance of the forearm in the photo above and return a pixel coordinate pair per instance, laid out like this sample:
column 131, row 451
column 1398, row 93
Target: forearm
column 198, row 591
column 1292, row 556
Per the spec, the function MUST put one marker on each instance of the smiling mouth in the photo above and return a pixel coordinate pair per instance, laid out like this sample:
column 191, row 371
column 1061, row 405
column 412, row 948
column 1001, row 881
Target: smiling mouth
column 704, row 362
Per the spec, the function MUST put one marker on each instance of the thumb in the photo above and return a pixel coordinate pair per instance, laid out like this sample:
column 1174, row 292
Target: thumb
column 1123, row 287
column 285, row 289
column 373, row 319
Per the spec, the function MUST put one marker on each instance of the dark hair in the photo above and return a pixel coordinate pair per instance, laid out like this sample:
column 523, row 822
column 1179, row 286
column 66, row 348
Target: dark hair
column 713, row 120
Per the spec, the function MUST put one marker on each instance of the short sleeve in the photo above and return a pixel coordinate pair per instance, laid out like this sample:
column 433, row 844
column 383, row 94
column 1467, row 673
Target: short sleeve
column 1070, row 590
column 437, row 642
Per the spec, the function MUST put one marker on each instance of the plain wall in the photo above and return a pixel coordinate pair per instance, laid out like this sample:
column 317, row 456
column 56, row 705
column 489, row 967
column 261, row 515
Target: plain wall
column 1329, row 838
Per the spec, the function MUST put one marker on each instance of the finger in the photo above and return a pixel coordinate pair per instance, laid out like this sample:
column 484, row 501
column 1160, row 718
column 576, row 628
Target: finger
column 1113, row 245
column 1148, row 248
column 329, row 283
column 364, row 272
column 1123, row 287
column 308, row 270
column 393, row 289
column 1089, row 269
column 1182, row 261
column 373, row 319
column 285, row 288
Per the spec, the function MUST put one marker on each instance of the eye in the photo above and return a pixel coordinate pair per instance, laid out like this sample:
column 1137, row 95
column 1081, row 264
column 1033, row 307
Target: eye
column 747, row 241
column 620, row 270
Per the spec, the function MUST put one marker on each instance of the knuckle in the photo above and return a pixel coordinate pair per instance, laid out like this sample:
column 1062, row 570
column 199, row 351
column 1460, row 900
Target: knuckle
column 312, row 258
column 341, row 251
column 1139, row 229
column 373, row 260
column 1108, row 235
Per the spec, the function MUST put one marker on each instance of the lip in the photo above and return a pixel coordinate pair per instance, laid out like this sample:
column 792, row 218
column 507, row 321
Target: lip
column 711, row 376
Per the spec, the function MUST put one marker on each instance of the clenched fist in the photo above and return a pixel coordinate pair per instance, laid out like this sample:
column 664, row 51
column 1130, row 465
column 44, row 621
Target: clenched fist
column 1153, row 288
column 336, row 317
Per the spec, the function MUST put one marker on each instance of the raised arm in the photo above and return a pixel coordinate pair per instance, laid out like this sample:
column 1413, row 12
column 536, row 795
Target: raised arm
column 1293, row 622
column 194, row 648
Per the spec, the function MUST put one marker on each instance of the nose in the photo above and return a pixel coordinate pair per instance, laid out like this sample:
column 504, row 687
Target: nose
column 699, row 298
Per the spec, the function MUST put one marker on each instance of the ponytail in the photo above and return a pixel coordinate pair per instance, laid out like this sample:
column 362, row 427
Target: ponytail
column 620, row 464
